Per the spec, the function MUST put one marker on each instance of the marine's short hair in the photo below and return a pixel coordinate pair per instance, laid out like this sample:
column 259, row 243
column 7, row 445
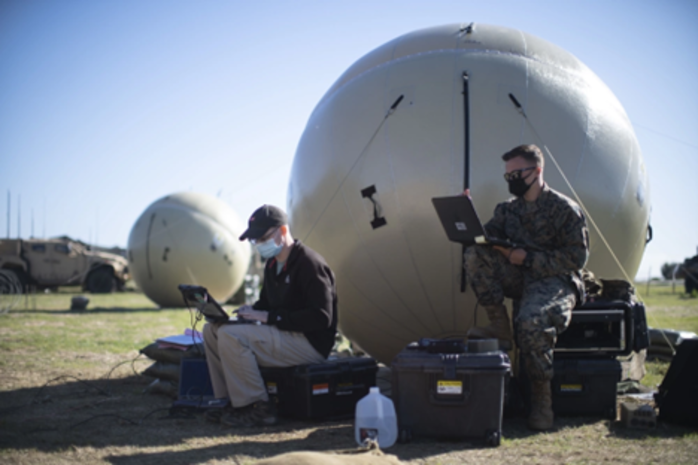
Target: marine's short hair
column 529, row 152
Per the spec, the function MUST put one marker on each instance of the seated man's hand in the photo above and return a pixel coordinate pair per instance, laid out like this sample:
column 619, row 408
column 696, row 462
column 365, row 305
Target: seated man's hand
column 515, row 256
column 249, row 313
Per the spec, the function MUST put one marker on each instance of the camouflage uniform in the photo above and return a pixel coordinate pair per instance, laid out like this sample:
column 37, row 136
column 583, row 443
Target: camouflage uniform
column 548, row 285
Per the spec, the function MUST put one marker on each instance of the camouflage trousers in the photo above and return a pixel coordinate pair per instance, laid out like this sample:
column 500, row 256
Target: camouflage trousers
column 542, row 308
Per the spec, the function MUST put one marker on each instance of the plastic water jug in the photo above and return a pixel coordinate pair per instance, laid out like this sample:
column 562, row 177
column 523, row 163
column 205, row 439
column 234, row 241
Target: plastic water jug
column 376, row 419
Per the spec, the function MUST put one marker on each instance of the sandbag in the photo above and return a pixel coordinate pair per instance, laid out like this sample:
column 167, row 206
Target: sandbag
column 370, row 457
column 160, row 386
column 163, row 371
column 152, row 351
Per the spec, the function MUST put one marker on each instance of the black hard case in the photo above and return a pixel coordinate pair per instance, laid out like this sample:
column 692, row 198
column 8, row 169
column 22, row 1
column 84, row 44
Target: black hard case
column 604, row 329
column 323, row 390
column 427, row 398
column 677, row 398
column 585, row 387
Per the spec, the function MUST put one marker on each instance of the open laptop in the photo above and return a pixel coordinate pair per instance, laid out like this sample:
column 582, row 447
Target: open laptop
column 198, row 296
column 461, row 223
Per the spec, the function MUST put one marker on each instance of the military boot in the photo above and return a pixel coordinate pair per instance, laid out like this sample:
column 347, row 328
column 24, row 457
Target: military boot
column 541, row 417
column 499, row 327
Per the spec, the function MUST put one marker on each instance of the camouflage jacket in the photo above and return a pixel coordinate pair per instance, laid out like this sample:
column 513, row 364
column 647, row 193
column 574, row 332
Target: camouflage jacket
column 555, row 230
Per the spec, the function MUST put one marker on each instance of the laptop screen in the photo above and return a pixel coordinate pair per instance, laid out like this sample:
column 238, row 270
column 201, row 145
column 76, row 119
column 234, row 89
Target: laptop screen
column 459, row 219
column 198, row 296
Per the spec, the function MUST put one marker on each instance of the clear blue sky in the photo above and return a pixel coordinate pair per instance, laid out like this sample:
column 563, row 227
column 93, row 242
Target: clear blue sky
column 106, row 106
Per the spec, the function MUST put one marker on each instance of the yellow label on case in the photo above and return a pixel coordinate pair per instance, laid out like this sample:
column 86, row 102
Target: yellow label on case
column 449, row 387
column 571, row 387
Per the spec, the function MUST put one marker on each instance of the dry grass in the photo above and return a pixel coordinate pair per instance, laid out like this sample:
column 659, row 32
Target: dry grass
column 110, row 420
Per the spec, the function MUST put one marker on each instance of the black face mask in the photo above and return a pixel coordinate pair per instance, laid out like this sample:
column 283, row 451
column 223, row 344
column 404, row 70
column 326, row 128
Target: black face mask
column 518, row 187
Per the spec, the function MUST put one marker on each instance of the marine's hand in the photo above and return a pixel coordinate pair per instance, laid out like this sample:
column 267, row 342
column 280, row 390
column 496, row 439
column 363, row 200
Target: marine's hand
column 466, row 192
column 515, row 256
column 249, row 313
column 503, row 250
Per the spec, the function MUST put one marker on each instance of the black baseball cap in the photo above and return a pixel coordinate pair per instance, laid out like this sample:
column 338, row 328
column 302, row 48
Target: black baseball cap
column 265, row 217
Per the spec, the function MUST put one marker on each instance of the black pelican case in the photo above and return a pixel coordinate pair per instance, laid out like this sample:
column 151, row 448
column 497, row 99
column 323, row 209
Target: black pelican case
column 585, row 387
column 580, row 386
column 458, row 393
column 323, row 390
column 604, row 329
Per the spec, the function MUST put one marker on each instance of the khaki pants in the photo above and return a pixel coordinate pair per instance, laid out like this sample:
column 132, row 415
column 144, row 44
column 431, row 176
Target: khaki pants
column 234, row 354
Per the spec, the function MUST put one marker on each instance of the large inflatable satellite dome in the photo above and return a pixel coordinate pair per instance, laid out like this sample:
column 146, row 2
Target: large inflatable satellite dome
column 187, row 238
column 426, row 115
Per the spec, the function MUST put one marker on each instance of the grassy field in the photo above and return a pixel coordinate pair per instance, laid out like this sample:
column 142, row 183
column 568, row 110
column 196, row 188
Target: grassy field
column 64, row 398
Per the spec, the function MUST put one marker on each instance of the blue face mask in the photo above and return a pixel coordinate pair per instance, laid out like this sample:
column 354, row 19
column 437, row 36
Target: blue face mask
column 269, row 249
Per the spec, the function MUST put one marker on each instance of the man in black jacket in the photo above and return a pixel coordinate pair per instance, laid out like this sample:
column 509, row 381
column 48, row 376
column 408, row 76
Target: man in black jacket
column 297, row 322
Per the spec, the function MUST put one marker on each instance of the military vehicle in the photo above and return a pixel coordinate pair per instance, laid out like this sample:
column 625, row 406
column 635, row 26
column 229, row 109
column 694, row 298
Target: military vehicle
column 62, row 262
column 689, row 270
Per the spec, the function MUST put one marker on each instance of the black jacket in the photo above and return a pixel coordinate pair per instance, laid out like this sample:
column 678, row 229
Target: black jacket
column 303, row 297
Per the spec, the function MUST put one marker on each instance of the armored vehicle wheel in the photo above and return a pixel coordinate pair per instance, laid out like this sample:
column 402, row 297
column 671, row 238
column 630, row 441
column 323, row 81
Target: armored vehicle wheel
column 101, row 281
column 11, row 282
column 21, row 280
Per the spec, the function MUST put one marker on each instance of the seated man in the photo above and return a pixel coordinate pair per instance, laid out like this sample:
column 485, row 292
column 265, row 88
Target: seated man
column 544, row 275
column 297, row 307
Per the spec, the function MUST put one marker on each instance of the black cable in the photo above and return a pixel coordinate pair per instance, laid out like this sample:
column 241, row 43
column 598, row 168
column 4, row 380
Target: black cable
column 133, row 368
column 152, row 412
column 38, row 393
column 466, row 165
column 86, row 383
column 102, row 415
column 40, row 430
column 132, row 361
column 194, row 320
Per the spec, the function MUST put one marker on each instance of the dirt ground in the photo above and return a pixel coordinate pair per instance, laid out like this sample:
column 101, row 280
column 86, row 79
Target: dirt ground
column 112, row 421
column 63, row 401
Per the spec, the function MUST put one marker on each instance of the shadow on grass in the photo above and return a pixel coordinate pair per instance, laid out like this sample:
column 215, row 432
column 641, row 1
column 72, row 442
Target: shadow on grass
column 96, row 310
column 115, row 413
